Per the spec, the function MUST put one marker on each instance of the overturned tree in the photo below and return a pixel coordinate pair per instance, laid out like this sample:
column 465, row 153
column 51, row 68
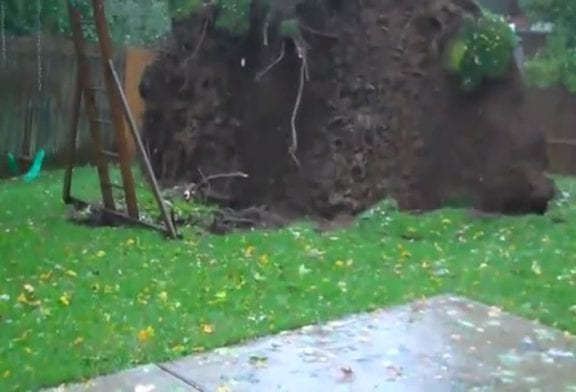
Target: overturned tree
column 327, row 106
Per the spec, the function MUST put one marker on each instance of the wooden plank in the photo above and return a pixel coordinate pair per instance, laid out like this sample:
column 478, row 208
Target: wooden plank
column 115, row 102
column 71, row 153
column 136, row 60
column 90, row 106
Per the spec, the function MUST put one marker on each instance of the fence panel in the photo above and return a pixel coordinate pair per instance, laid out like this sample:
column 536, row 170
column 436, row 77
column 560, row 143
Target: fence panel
column 36, row 98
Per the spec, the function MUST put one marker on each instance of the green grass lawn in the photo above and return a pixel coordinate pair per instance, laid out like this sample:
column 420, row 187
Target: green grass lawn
column 76, row 302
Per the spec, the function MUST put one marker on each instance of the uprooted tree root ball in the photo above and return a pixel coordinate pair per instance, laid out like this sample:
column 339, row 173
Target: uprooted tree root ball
column 329, row 106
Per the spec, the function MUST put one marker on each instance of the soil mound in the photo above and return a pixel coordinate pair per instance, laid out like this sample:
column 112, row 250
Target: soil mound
column 378, row 115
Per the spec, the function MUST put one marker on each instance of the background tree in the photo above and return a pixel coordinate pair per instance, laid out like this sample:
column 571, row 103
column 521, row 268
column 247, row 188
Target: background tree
column 556, row 63
column 132, row 22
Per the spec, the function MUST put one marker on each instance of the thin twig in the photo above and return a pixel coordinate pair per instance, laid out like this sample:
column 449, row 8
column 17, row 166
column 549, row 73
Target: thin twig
column 280, row 57
column 294, row 146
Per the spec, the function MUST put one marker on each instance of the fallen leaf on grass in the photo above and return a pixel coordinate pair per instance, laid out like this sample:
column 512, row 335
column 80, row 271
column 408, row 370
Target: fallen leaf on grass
column 536, row 268
column 263, row 260
column 343, row 264
column 178, row 349
column 249, row 250
column 65, row 299
column 207, row 328
column 145, row 335
column 22, row 299
column 303, row 270
column 78, row 341
column 45, row 277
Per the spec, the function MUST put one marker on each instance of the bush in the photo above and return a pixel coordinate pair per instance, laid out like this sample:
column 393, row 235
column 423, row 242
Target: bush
column 483, row 49
column 555, row 65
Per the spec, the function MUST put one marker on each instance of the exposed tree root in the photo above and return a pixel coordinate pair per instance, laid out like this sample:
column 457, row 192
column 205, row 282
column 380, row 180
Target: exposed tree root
column 294, row 146
column 278, row 59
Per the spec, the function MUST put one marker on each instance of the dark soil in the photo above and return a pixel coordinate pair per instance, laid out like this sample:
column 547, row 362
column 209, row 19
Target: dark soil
column 379, row 116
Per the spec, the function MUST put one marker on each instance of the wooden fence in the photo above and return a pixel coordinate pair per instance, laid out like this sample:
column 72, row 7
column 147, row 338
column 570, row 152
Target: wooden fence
column 553, row 112
column 36, row 98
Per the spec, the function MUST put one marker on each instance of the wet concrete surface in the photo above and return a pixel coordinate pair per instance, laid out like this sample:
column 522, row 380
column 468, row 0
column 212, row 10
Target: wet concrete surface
column 148, row 378
column 444, row 343
column 441, row 344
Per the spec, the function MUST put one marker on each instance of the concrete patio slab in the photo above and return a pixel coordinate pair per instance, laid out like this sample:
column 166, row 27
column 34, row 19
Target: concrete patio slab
column 149, row 378
column 442, row 344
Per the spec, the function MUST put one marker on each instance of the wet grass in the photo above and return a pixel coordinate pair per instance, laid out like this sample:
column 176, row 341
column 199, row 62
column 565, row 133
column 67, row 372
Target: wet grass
column 77, row 301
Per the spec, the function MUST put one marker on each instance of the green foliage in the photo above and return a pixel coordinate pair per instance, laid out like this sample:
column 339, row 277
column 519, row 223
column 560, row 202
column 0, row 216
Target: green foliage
column 556, row 64
column 179, row 9
column 483, row 49
column 22, row 16
column 234, row 16
column 130, row 21
column 560, row 12
column 289, row 28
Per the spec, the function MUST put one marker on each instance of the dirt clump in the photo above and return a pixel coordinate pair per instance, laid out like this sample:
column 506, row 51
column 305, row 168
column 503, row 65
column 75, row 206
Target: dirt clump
column 378, row 115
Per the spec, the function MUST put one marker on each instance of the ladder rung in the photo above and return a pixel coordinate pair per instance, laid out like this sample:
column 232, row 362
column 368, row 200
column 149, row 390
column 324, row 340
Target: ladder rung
column 110, row 154
column 93, row 55
column 103, row 121
column 97, row 88
column 111, row 185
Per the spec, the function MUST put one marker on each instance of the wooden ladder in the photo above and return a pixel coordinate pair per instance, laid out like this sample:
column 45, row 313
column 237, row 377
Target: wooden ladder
column 86, row 91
